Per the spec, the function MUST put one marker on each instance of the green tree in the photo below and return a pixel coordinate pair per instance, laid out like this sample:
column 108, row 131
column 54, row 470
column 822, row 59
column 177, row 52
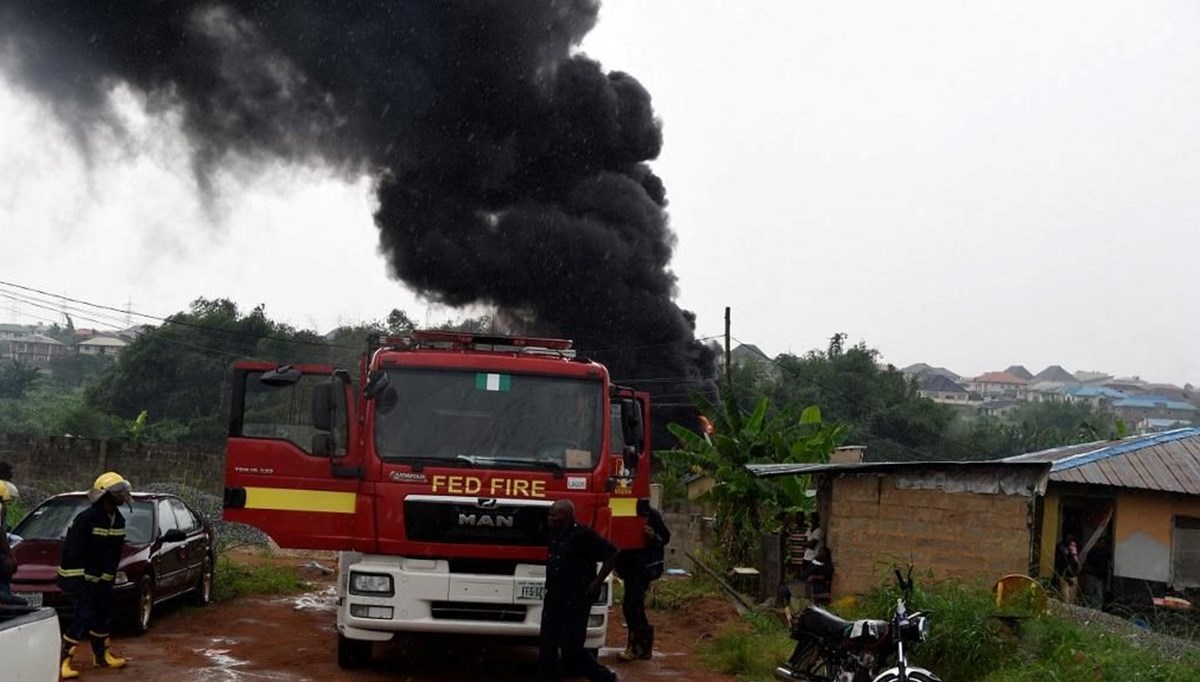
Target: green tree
column 745, row 503
column 16, row 378
column 879, row 406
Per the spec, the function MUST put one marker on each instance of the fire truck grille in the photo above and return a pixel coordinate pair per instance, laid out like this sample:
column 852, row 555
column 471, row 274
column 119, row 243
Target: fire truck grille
column 491, row 613
column 457, row 523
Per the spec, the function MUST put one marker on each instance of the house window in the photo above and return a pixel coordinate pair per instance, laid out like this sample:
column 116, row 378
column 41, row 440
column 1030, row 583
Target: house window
column 1185, row 552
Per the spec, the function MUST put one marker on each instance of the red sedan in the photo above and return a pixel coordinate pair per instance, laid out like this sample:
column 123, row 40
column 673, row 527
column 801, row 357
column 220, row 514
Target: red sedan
column 169, row 551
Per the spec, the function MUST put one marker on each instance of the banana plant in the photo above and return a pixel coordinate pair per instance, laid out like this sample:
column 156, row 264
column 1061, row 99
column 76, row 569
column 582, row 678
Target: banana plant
column 745, row 504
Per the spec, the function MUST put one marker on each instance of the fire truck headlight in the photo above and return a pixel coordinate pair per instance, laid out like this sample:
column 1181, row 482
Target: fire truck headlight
column 373, row 584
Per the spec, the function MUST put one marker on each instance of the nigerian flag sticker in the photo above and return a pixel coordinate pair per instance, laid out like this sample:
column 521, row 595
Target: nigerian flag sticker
column 493, row 382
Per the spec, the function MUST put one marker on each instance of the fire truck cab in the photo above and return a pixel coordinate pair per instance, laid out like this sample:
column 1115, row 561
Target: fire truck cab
column 433, row 473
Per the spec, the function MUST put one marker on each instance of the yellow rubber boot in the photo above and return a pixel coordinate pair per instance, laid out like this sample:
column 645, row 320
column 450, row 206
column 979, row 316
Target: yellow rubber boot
column 102, row 655
column 65, row 671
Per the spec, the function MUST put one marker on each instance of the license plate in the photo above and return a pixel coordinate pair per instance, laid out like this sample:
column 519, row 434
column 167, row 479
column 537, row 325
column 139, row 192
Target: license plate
column 34, row 598
column 530, row 591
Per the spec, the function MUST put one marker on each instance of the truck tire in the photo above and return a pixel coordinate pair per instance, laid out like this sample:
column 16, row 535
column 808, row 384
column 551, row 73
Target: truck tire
column 353, row 653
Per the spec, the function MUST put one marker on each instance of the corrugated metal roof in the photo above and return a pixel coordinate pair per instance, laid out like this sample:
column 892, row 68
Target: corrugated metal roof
column 767, row 470
column 1168, row 462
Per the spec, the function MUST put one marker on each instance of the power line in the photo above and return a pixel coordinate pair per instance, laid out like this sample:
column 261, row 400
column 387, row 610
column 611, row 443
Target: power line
column 127, row 311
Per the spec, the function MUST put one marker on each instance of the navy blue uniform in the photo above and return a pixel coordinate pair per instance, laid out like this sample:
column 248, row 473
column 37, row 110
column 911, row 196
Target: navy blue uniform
column 90, row 556
column 574, row 553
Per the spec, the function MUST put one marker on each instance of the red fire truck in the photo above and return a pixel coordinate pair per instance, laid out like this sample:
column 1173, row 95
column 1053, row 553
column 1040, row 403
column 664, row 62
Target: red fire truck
column 432, row 476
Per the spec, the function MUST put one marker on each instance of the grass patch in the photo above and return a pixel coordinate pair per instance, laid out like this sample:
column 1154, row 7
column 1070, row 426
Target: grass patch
column 967, row 643
column 232, row 580
column 673, row 593
column 751, row 651
column 1053, row 648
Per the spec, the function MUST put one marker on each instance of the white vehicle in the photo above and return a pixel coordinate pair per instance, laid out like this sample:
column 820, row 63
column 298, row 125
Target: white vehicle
column 30, row 644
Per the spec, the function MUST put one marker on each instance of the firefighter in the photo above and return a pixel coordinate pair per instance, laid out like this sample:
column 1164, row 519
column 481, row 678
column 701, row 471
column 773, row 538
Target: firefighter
column 572, row 585
column 90, row 557
column 637, row 569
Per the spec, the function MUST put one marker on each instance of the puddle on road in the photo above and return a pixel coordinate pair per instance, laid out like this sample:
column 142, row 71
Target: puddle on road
column 225, row 667
column 325, row 600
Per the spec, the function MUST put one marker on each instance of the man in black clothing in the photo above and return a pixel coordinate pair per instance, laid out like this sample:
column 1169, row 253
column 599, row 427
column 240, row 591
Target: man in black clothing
column 90, row 556
column 637, row 569
column 572, row 585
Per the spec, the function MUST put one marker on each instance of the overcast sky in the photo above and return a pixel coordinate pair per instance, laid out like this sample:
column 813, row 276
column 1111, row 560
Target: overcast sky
column 966, row 184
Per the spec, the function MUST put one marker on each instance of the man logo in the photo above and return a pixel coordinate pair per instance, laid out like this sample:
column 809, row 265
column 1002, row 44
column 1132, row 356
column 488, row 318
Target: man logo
column 486, row 520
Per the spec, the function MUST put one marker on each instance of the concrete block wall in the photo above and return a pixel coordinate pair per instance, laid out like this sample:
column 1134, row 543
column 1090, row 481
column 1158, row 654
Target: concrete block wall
column 873, row 525
column 55, row 464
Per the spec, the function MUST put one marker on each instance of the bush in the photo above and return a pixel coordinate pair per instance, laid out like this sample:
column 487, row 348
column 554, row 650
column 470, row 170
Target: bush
column 232, row 580
column 674, row 593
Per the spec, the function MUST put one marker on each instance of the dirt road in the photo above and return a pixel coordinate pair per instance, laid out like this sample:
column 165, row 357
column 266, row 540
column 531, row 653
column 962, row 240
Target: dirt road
column 264, row 639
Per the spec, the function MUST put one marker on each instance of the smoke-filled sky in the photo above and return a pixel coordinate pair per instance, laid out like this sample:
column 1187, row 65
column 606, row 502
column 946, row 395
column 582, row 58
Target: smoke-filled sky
column 974, row 185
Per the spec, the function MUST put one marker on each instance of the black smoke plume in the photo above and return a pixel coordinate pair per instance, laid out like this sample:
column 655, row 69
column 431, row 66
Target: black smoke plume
column 510, row 169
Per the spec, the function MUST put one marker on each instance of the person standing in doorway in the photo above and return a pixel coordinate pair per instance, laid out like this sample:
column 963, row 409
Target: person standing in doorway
column 90, row 556
column 637, row 569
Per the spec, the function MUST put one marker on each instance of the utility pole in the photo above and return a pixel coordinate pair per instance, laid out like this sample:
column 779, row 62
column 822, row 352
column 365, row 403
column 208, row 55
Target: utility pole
column 728, row 355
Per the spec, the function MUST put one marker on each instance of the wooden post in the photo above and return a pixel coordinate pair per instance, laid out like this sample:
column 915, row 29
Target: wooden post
column 728, row 354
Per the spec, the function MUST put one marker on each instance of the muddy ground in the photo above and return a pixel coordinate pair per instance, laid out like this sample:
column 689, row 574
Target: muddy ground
column 271, row 638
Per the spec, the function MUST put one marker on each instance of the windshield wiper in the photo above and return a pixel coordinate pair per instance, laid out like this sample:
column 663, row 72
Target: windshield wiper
column 419, row 462
column 516, row 461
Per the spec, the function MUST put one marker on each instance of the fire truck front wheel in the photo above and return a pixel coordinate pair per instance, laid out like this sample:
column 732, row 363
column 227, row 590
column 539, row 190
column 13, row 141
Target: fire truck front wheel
column 353, row 653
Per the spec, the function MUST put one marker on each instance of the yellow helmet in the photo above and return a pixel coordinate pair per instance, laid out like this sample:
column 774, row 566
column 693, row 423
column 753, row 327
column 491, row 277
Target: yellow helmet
column 8, row 491
column 108, row 482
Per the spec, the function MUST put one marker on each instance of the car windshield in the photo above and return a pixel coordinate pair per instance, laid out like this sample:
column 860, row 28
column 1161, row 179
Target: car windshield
column 51, row 520
column 489, row 419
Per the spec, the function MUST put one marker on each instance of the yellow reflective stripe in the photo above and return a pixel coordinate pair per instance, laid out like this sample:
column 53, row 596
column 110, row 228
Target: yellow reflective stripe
column 623, row 506
column 109, row 532
column 70, row 572
column 105, row 578
column 298, row 499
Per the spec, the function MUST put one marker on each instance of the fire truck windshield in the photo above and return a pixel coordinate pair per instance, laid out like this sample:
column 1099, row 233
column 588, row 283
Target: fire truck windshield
column 470, row 418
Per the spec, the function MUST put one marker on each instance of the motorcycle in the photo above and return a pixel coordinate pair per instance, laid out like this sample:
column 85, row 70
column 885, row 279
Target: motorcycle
column 831, row 649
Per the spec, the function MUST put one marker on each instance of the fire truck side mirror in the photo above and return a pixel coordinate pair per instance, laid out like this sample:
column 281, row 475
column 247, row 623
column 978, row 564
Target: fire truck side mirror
column 631, row 424
column 376, row 382
column 322, row 406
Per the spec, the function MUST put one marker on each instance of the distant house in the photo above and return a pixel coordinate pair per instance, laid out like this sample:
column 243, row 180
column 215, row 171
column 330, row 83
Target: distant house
column 748, row 353
column 1001, row 409
column 941, row 389
column 921, row 369
column 995, row 384
column 1055, row 373
column 1134, row 409
column 1098, row 397
column 102, row 345
column 32, row 349
column 12, row 331
column 1152, row 425
column 1044, row 392
column 1020, row 372
column 1098, row 378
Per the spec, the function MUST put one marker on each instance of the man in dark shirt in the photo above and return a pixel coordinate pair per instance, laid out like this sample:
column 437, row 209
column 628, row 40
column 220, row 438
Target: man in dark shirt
column 572, row 585
column 637, row 569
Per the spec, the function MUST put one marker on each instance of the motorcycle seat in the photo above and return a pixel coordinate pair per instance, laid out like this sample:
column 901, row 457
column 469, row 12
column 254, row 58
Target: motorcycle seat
column 823, row 624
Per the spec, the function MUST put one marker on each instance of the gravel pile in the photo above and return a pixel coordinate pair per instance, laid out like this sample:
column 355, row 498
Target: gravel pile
column 209, row 506
column 1116, row 626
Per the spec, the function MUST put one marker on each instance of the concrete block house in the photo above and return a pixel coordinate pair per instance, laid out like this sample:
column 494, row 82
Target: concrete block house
column 979, row 521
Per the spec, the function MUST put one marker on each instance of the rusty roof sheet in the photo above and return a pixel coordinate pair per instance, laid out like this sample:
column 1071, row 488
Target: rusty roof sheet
column 1168, row 462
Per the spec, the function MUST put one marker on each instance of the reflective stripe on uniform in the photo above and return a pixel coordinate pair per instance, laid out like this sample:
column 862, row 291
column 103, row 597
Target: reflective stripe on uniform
column 70, row 572
column 109, row 532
